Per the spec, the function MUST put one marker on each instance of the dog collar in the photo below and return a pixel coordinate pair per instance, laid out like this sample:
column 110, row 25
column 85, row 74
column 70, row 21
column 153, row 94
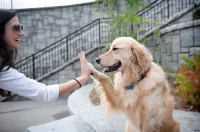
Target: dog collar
column 144, row 74
column 131, row 87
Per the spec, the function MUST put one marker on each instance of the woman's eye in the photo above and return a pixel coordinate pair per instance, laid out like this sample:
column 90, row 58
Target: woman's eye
column 114, row 49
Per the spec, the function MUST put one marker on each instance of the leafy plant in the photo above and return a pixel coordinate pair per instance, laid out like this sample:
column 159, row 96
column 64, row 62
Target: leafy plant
column 196, row 14
column 188, row 80
column 125, row 21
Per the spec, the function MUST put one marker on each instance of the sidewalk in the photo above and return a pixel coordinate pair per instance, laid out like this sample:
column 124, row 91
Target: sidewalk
column 18, row 115
column 85, row 117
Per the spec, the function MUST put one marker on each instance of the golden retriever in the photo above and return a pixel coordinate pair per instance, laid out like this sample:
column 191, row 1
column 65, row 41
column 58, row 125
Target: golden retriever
column 140, row 88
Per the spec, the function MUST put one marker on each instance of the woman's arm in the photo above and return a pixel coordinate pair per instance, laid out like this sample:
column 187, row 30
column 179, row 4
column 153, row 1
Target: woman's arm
column 65, row 88
column 16, row 82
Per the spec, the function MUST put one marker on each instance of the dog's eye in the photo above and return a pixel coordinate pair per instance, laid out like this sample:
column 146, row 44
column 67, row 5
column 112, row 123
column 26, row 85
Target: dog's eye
column 114, row 49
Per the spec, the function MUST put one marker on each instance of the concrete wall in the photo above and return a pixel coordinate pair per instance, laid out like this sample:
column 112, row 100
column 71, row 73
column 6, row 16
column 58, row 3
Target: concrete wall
column 44, row 26
column 178, row 38
column 74, row 70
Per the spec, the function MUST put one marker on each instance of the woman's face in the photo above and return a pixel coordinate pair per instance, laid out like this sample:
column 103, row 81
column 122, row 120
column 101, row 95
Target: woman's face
column 13, row 34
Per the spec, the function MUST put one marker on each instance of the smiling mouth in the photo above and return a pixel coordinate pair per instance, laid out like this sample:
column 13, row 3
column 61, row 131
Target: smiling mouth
column 112, row 68
column 18, row 40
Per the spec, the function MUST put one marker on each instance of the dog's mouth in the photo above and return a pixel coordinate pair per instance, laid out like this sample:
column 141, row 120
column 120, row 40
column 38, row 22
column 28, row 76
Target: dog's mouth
column 112, row 68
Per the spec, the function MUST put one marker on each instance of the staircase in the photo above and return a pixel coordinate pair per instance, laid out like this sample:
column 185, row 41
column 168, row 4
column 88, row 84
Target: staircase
column 162, row 12
column 64, row 50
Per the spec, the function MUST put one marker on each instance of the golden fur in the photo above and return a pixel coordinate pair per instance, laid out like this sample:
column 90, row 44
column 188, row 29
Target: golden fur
column 149, row 106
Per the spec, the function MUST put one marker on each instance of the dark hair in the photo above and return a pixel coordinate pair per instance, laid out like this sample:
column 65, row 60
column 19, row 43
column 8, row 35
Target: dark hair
column 7, row 57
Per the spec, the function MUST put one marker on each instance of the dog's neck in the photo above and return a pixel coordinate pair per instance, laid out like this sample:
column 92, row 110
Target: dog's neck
column 131, row 87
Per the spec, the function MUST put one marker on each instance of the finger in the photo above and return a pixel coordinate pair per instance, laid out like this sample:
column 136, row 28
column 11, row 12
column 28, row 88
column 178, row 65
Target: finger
column 80, row 55
column 83, row 55
column 82, row 58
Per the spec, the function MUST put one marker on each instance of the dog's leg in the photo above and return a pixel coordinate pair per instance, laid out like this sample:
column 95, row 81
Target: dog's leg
column 172, row 126
column 107, row 85
column 176, row 126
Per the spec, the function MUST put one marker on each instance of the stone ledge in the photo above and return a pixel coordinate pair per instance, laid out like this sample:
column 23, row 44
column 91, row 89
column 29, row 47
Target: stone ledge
column 90, row 116
column 62, row 125
column 79, row 100
column 178, row 15
column 180, row 26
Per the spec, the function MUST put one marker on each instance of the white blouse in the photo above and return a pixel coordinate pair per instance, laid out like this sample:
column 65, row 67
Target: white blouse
column 16, row 82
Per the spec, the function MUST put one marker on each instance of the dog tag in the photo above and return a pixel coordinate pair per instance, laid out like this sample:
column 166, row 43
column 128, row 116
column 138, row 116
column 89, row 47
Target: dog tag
column 131, row 87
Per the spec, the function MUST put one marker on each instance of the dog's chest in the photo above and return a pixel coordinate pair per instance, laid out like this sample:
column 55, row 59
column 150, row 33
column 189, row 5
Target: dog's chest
column 129, row 98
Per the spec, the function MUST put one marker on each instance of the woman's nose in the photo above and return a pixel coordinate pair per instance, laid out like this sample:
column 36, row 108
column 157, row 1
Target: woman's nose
column 21, row 33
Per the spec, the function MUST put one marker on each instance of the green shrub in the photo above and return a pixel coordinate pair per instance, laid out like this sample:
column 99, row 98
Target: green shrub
column 188, row 80
column 196, row 14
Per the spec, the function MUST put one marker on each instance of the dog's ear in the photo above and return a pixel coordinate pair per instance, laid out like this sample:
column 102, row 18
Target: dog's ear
column 140, row 56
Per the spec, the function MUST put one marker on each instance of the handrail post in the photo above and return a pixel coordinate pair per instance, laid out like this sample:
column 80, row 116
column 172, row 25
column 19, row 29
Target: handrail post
column 99, row 32
column 168, row 9
column 67, row 48
column 33, row 61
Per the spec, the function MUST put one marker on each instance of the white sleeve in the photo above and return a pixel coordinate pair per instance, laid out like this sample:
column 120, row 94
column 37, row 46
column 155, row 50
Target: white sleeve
column 16, row 82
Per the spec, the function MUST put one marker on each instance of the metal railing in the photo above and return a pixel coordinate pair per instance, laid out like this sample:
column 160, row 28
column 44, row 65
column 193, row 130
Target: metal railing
column 94, row 34
column 160, row 12
column 65, row 49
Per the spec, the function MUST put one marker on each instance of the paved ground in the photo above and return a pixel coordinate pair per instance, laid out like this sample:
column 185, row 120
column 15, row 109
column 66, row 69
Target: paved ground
column 89, row 118
column 54, row 116
column 19, row 115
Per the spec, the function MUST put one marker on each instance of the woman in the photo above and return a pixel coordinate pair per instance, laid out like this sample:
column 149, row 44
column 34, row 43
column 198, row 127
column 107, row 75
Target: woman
column 11, row 32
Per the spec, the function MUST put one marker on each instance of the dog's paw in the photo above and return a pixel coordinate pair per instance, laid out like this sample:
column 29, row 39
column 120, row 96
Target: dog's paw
column 93, row 71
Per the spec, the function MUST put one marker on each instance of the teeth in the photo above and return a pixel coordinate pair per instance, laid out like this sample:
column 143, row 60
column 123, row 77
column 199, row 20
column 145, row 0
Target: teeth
column 105, row 69
column 110, row 68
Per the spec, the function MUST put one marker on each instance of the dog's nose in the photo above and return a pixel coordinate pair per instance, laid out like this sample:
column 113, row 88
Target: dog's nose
column 98, row 60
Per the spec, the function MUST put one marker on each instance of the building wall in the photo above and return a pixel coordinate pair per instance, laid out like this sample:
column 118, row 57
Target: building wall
column 178, row 38
column 74, row 69
column 44, row 26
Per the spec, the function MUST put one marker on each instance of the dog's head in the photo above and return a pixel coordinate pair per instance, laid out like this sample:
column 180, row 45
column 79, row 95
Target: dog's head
column 125, row 52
